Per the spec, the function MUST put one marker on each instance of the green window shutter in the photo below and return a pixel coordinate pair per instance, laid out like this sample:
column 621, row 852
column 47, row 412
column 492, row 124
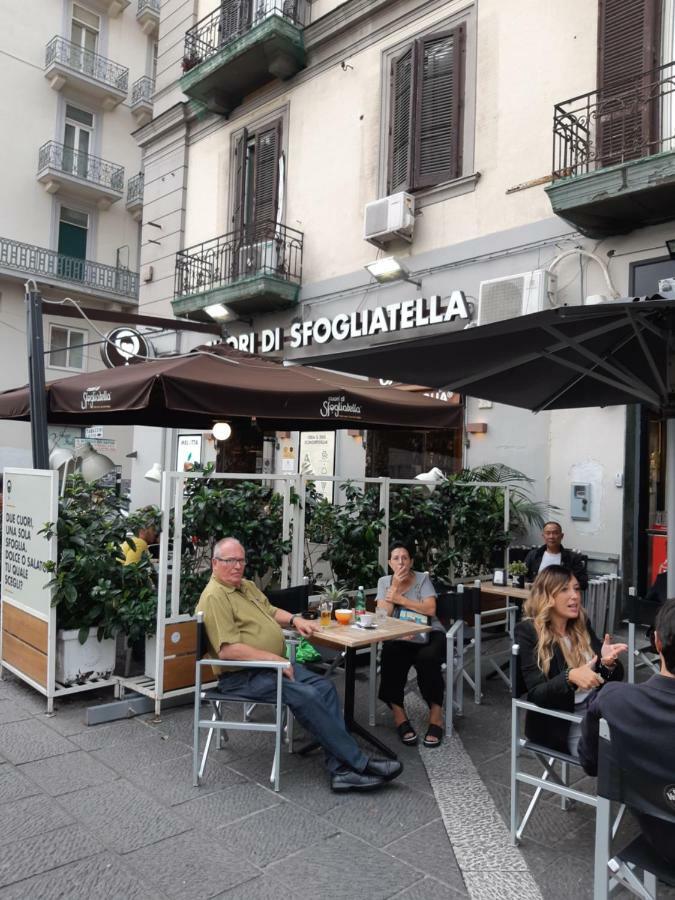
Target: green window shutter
column 239, row 180
column 439, row 70
column 267, row 151
column 401, row 123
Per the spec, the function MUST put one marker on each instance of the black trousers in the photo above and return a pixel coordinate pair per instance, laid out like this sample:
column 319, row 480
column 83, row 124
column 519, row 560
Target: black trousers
column 399, row 656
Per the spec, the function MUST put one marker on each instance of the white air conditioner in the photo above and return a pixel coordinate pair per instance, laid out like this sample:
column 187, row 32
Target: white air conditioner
column 260, row 258
column 390, row 218
column 515, row 295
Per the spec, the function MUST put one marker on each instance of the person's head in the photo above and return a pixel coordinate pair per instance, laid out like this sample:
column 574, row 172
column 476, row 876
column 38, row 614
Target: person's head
column 146, row 523
column 400, row 558
column 149, row 533
column 664, row 637
column 228, row 561
column 554, row 605
column 553, row 535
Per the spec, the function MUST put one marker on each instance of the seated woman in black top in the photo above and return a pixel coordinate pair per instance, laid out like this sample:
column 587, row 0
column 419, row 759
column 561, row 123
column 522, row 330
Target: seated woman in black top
column 561, row 660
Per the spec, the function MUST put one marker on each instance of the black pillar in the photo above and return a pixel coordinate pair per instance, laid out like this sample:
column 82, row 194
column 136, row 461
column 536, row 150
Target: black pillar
column 36, row 377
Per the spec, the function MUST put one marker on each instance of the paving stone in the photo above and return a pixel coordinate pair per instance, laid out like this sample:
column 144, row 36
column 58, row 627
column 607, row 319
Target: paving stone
column 28, row 817
column 382, row 816
column 506, row 886
column 31, row 739
column 10, row 711
column 123, row 816
column 228, row 805
column 263, row 887
column 274, row 833
column 573, row 879
column 69, row 718
column 414, row 773
column 31, row 856
column 69, row 772
column 151, row 750
column 342, row 868
column 171, row 780
column 191, row 867
column 125, row 731
column 429, row 850
column 308, row 785
column 98, row 878
column 178, row 725
column 257, row 766
column 430, row 889
column 11, row 688
column 14, row 785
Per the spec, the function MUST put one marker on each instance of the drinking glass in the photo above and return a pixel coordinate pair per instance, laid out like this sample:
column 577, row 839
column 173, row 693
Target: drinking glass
column 326, row 609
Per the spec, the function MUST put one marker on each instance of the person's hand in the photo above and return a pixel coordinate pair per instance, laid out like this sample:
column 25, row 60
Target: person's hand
column 305, row 627
column 287, row 672
column 610, row 652
column 584, row 677
column 390, row 596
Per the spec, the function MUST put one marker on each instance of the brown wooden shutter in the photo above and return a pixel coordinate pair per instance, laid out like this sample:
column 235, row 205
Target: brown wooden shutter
column 628, row 51
column 239, row 181
column 439, row 75
column 267, row 150
column 401, row 123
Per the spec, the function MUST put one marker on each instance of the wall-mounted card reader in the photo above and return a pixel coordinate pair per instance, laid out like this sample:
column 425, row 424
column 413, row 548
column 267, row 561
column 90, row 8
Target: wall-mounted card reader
column 580, row 502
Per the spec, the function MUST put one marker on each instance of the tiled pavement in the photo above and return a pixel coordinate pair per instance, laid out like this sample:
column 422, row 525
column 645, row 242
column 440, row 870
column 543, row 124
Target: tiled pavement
column 110, row 812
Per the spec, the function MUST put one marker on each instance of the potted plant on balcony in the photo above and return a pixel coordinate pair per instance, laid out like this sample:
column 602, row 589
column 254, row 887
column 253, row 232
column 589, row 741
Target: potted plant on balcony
column 190, row 60
column 518, row 571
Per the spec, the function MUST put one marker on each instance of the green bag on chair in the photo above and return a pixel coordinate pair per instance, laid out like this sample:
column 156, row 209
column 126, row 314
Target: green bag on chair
column 305, row 652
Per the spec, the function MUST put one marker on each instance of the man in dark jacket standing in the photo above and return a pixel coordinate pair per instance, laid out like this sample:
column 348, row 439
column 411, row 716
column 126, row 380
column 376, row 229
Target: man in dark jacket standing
column 641, row 719
column 552, row 553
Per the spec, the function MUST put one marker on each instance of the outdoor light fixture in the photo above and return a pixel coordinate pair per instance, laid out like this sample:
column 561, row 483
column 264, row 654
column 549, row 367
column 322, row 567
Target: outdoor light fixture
column 217, row 312
column 388, row 270
column 93, row 465
column 670, row 247
column 221, row 431
column 431, row 478
column 154, row 473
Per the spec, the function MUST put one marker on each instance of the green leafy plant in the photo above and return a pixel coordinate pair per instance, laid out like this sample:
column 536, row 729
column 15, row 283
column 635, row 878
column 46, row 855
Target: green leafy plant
column 517, row 568
column 336, row 595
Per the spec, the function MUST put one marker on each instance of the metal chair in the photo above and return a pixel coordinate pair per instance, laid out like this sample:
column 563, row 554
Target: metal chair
column 549, row 780
column 641, row 792
column 215, row 697
column 640, row 614
column 491, row 618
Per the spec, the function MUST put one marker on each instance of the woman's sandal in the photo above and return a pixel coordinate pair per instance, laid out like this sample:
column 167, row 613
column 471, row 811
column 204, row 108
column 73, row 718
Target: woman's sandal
column 433, row 731
column 407, row 733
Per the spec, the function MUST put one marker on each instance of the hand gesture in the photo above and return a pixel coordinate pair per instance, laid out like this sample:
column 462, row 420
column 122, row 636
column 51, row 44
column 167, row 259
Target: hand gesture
column 287, row 672
column 610, row 652
column 584, row 677
column 390, row 596
column 305, row 627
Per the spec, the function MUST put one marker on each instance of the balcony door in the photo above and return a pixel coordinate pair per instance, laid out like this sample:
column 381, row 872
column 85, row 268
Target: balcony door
column 72, row 248
column 77, row 141
column 84, row 34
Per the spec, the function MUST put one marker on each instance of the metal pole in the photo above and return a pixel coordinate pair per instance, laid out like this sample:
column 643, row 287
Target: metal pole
column 36, row 376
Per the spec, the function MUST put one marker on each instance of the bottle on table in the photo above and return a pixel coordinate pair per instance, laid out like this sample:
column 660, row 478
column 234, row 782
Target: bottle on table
column 359, row 603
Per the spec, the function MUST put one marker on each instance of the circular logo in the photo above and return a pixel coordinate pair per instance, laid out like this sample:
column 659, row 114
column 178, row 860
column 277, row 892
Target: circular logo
column 124, row 347
column 669, row 794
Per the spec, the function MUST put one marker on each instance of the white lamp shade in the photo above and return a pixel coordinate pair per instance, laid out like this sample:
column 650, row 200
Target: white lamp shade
column 433, row 476
column 221, row 431
column 59, row 458
column 154, row 473
column 93, row 465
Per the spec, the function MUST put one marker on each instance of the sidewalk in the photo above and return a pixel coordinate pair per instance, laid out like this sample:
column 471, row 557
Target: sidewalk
column 110, row 812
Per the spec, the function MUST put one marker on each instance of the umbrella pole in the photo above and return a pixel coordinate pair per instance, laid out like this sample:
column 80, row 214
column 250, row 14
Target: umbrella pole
column 36, row 375
column 670, row 503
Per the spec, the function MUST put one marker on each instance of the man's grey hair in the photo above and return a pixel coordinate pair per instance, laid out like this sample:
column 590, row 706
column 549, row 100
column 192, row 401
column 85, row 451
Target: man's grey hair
column 221, row 543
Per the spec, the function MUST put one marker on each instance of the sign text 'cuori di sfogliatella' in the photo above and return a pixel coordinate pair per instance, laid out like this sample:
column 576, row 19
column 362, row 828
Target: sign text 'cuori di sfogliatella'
column 364, row 323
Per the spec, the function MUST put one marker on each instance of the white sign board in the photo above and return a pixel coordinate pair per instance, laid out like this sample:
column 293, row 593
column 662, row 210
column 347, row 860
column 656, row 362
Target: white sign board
column 30, row 500
column 317, row 457
column 189, row 451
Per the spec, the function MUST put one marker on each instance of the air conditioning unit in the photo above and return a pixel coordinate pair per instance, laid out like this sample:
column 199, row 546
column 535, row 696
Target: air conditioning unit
column 390, row 218
column 515, row 295
column 260, row 258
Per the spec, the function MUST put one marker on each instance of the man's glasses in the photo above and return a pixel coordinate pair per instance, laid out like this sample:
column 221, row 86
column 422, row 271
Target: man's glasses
column 231, row 560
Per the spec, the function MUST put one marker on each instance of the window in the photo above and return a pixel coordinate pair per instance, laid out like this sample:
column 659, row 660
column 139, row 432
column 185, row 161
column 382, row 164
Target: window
column 425, row 112
column 66, row 348
column 257, row 166
column 84, row 29
column 72, row 247
column 77, row 139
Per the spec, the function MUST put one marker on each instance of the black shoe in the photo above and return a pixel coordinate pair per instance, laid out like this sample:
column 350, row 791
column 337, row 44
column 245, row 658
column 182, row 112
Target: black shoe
column 355, row 781
column 388, row 769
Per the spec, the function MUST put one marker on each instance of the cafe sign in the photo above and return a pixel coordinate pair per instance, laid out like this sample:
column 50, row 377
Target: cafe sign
column 393, row 317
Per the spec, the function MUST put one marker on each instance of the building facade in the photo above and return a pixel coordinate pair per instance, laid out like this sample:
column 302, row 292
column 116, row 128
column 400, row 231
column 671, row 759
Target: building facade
column 278, row 123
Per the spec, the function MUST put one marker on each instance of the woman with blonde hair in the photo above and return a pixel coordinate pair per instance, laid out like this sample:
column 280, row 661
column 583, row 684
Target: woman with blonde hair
column 562, row 661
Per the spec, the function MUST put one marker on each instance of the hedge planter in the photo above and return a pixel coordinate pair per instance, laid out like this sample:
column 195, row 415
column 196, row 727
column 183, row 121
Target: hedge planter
column 77, row 663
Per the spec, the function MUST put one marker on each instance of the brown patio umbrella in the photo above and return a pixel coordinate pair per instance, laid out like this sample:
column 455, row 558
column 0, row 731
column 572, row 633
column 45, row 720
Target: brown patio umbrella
column 219, row 382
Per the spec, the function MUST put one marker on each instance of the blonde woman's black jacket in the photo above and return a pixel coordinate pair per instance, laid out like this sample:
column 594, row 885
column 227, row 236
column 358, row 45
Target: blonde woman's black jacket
column 552, row 691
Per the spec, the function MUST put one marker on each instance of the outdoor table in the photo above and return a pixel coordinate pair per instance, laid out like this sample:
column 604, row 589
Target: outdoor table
column 350, row 638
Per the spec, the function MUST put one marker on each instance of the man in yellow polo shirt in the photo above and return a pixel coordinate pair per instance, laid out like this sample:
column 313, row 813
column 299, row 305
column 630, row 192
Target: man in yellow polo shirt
column 242, row 624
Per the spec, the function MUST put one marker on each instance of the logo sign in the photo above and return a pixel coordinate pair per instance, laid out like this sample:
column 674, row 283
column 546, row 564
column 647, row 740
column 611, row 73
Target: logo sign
column 95, row 398
column 123, row 347
column 337, row 407
column 669, row 794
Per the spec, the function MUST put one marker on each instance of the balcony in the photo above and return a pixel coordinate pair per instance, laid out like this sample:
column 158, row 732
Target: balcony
column 141, row 99
column 614, row 156
column 135, row 196
column 147, row 16
column 241, row 46
column 83, row 275
column 84, row 176
column 98, row 79
column 254, row 270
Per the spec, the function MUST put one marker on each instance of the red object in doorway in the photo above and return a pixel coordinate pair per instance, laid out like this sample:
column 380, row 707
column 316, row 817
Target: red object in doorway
column 658, row 550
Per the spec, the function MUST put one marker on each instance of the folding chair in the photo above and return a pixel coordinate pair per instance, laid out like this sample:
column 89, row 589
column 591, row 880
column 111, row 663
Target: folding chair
column 644, row 615
column 215, row 697
column 641, row 792
column 491, row 618
column 549, row 780
column 452, row 607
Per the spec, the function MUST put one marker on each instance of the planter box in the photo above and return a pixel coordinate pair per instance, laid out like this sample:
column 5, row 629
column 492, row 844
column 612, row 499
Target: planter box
column 76, row 662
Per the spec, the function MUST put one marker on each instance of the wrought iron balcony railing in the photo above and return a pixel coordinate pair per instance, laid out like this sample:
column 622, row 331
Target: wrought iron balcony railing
column 231, row 20
column 135, row 189
column 82, row 165
column 267, row 249
column 73, row 56
column 142, row 90
column 615, row 125
column 27, row 259
column 153, row 5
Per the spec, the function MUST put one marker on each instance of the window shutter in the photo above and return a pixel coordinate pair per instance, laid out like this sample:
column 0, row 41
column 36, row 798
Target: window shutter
column 400, row 124
column 267, row 150
column 438, row 107
column 628, row 42
column 239, row 181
